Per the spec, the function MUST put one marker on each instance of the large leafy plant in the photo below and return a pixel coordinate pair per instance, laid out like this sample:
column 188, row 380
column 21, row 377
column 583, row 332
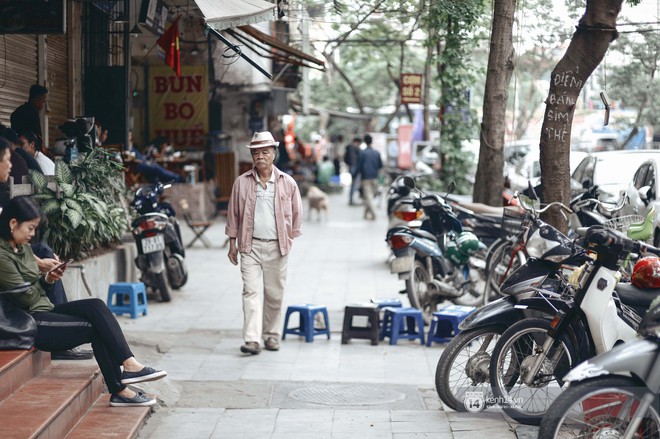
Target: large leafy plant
column 81, row 211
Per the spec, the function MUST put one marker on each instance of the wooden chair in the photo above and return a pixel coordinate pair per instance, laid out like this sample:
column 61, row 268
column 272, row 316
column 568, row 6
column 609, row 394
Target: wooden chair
column 198, row 225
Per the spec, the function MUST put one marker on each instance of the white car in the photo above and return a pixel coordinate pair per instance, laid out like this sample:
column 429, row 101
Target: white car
column 611, row 171
column 643, row 193
column 528, row 168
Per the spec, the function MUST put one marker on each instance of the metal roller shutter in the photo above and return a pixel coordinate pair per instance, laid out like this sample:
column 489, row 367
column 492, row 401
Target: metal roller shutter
column 58, row 83
column 18, row 71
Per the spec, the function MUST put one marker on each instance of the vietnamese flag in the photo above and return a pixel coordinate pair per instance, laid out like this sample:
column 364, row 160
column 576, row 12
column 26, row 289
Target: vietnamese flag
column 169, row 42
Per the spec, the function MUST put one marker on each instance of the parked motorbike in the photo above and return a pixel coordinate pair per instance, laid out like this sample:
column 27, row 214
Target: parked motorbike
column 531, row 358
column 613, row 395
column 158, row 238
column 437, row 261
column 400, row 210
column 535, row 289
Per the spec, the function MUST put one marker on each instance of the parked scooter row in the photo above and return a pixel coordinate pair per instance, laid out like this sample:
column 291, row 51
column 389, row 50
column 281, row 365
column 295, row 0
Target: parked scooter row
column 536, row 288
column 527, row 366
column 158, row 238
column 438, row 260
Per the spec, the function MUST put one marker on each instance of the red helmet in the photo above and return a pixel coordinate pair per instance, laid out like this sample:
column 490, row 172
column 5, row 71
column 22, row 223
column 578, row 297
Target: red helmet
column 646, row 273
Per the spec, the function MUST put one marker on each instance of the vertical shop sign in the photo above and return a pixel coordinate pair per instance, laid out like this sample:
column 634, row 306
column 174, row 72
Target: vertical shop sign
column 178, row 106
column 404, row 134
column 411, row 88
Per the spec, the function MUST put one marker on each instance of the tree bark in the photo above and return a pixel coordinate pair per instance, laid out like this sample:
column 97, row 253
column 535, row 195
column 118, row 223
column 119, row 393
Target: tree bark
column 595, row 31
column 489, row 179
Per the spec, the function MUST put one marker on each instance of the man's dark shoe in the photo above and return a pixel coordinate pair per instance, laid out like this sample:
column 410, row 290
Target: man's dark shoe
column 72, row 354
column 272, row 344
column 251, row 347
column 146, row 374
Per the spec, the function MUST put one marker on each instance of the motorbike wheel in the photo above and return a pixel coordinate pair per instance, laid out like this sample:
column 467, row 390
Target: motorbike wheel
column 513, row 356
column 464, row 365
column 600, row 407
column 162, row 286
column 416, row 288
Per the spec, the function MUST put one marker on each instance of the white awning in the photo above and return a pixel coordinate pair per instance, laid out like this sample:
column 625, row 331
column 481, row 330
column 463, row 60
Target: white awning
column 227, row 14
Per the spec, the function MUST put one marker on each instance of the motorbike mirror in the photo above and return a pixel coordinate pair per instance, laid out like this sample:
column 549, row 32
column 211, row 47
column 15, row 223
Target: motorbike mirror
column 451, row 188
column 409, row 182
column 531, row 191
column 525, row 202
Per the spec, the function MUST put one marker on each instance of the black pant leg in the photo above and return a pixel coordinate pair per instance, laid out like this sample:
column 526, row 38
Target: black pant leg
column 103, row 322
column 82, row 321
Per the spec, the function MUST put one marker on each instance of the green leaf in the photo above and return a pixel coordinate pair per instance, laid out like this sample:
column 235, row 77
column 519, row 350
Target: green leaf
column 68, row 189
column 73, row 204
column 38, row 180
column 50, row 206
column 74, row 216
column 63, row 174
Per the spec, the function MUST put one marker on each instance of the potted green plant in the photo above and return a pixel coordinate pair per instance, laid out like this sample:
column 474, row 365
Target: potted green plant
column 82, row 211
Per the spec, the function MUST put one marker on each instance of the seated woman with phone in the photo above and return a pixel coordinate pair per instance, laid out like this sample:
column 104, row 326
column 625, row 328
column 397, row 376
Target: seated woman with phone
column 66, row 325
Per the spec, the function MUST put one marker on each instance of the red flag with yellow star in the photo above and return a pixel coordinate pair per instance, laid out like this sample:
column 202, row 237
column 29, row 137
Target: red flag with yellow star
column 169, row 42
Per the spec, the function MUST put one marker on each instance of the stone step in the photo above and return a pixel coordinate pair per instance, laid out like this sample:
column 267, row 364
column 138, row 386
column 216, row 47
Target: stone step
column 50, row 404
column 63, row 399
column 104, row 422
column 19, row 366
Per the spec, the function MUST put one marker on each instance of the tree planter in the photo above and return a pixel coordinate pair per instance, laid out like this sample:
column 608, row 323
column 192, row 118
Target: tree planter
column 100, row 271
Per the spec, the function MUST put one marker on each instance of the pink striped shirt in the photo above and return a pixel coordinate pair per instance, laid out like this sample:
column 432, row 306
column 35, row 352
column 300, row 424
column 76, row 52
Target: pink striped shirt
column 240, row 211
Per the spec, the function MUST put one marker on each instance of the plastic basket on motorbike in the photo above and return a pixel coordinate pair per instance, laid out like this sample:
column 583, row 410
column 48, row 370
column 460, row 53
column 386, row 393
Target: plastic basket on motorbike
column 512, row 220
column 621, row 223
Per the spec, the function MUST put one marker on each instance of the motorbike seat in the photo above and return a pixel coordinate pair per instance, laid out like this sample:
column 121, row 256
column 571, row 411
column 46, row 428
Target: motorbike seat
column 636, row 297
column 423, row 234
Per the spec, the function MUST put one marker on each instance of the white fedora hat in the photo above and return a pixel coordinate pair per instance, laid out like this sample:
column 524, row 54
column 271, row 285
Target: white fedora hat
column 262, row 140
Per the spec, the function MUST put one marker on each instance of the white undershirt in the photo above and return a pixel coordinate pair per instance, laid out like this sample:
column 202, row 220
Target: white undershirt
column 264, row 210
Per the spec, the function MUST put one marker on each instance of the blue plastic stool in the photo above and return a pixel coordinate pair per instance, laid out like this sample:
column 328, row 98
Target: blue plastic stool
column 382, row 303
column 444, row 324
column 404, row 323
column 127, row 298
column 306, row 328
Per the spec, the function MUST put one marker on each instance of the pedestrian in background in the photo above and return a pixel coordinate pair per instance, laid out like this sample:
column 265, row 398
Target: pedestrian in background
column 31, row 144
column 368, row 169
column 352, row 159
column 264, row 215
column 27, row 117
column 19, row 168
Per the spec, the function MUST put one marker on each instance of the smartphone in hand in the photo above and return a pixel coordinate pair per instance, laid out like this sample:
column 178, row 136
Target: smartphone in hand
column 60, row 265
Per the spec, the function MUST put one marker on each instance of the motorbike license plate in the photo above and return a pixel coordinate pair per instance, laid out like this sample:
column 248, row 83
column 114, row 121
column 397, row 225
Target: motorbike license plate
column 402, row 264
column 153, row 244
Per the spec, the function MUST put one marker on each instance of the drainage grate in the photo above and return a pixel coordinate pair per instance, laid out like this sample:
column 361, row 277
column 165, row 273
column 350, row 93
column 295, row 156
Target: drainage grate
column 358, row 396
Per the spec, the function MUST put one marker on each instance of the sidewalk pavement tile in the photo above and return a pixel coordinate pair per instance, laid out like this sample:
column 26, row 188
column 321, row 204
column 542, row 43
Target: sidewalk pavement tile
column 217, row 392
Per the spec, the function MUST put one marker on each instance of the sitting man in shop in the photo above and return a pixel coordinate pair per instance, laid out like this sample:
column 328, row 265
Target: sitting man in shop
column 148, row 167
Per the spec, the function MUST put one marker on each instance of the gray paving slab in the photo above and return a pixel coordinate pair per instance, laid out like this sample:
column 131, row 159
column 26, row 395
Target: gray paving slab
column 363, row 391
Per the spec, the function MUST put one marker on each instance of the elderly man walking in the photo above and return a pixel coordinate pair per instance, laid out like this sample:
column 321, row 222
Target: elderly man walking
column 264, row 215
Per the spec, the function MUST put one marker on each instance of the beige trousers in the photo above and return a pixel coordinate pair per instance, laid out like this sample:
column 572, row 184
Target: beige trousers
column 368, row 192
column 263, row 269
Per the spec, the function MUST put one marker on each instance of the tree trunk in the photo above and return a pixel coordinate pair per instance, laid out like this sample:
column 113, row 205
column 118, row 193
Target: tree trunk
column 595, row 31
column 489, row 179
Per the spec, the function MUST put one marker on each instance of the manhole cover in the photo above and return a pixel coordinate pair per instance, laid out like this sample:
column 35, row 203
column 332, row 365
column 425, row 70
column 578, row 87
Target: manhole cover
column 346, row 395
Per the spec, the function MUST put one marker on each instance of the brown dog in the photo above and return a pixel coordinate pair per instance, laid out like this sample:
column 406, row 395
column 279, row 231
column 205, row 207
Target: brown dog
column 318, row 200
